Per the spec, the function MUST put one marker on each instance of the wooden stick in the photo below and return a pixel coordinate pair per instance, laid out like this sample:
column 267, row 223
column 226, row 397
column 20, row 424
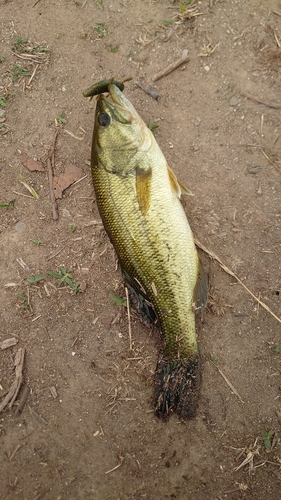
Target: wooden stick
column 184, row 58
column 15, row 387
column 149, row 90
column 23, row 399
column 50, row 165
column 231, row 273
column 261, row 101
column 270, row 161
column 52, row 194
column 33, row 75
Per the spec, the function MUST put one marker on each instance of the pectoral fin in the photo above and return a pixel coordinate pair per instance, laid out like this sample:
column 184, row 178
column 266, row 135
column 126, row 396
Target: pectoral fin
column 200, row 294
column 143, row 188
column 176, row 185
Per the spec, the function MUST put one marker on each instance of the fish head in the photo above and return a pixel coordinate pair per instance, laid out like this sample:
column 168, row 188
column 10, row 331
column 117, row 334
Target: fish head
column 121, row 138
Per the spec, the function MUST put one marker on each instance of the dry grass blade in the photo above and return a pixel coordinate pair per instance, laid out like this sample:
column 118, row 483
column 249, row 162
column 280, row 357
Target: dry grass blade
column 231, row 273
column 270, row 161
column 229, row 383
column 116, row 467
column 261, row 101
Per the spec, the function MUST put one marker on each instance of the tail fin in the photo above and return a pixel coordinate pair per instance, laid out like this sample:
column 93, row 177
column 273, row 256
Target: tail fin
column 177, row 387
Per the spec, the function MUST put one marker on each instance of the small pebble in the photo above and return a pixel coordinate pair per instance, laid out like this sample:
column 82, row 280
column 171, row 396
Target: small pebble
column 20, row 227
column 234, row 101
column 2, row 112
column 207, row 68
column 254, row 170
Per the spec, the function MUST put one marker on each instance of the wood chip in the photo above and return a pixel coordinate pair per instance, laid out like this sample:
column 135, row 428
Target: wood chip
column 64, row 180
column 15, row 387
column 53, row 391
column 31, row 164
column 8, row 343
column 23, row 399
column 149, row 90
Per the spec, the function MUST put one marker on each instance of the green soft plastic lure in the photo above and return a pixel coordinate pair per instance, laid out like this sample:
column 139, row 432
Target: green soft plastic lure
column 102, row 86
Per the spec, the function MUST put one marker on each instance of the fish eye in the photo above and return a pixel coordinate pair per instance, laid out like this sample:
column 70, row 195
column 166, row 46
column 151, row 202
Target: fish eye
column 104, row 119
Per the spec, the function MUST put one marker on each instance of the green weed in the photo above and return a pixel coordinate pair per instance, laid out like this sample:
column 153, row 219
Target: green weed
column 113, row 48
column 24, row 300
column 37, row 242
column 267, row 436
column 101, row 30
column 18, row 42
column 100, row 4
column 121, row 301
column 36, row 278
column 65, row 277
column 10, row 204
column 3, row 101
column 167, row 22
column 18, row 71
column 152, row 126
column 61, row 118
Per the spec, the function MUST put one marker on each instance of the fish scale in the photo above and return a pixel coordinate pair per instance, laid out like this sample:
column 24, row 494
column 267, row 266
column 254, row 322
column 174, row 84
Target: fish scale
column 138, row 200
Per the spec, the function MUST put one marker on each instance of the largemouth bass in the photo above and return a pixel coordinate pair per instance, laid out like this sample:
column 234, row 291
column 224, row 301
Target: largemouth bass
column 138, row 197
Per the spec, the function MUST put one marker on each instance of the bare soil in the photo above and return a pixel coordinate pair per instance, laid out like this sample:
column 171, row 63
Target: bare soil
column 87, row 430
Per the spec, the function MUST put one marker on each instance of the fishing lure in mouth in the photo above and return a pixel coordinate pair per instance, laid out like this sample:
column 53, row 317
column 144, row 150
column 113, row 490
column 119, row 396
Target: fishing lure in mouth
column 102, row 87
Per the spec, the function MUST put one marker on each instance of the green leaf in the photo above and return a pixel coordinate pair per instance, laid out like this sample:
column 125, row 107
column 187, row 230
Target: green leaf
column 167, row 22
column 35, row 279
column 54, row 274
column 276, row 349
column 37, row 242
column 267, row 439
column 121, row 301
column 3, row 101
column 213, row 359
column 152, row 126
column 61, row 118
column 10, row 204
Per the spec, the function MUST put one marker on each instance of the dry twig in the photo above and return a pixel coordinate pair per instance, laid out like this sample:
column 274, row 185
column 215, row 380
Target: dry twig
column 23, row 399
column 231, row 273
column 261, row 101
column 50, row 165
column 228, row 383
column 15, row 387
column 149, row 90
column 116, row 467
column 184, row 58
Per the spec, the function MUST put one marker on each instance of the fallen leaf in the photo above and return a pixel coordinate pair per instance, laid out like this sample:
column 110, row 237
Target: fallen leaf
column 31, row 164
column 64, row 180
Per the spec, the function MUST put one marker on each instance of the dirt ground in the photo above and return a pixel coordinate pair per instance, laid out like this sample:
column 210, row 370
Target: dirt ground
column 87, row 430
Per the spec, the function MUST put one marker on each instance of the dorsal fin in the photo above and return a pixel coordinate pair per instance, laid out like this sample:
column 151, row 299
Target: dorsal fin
column 176, row 185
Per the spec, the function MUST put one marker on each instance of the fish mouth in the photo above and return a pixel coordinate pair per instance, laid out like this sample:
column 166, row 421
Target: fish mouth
column 115, row 104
